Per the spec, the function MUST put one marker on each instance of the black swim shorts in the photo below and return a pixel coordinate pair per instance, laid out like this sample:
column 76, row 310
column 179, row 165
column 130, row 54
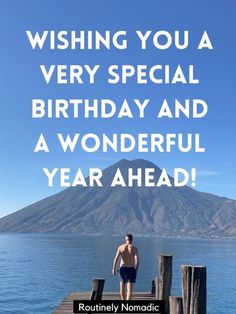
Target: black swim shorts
column 127, row 274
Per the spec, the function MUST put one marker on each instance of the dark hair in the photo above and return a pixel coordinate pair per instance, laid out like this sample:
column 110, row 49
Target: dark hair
column 129, row 236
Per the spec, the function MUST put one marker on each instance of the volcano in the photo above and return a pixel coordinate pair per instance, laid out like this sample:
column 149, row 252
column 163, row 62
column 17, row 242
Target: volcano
column 158, row 211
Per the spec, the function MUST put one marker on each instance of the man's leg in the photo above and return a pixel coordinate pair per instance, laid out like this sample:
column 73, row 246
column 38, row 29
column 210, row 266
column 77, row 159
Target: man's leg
column 122, row 291
column 129, row 290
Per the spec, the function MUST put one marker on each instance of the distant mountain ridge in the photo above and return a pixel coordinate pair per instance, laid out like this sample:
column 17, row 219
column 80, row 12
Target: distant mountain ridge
column 160, row 211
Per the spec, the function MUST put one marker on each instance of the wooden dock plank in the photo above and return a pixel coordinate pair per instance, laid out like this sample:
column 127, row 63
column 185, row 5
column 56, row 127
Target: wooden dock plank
column 66, row 306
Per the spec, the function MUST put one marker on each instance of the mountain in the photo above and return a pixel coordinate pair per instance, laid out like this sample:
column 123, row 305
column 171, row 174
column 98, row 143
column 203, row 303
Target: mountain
column 164, row 211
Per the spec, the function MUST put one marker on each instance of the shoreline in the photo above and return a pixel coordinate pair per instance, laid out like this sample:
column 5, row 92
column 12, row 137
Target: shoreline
column 155, row 236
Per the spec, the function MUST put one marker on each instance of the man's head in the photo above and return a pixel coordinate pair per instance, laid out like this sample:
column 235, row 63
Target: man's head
column 128, row 238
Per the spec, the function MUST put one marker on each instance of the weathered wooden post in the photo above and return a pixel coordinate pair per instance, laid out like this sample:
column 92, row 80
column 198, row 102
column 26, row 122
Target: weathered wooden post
column 97, row 289
column 153, row 288
column 156, row 288
column 186, row 287
column 176, row 305
column 164, row 281
column 198, row 303
column 194, row 289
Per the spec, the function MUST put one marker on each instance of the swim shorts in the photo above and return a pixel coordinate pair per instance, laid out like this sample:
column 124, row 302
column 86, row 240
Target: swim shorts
column 127, row 274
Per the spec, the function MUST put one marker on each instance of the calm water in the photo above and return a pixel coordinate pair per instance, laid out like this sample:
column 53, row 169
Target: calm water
column 38, row 270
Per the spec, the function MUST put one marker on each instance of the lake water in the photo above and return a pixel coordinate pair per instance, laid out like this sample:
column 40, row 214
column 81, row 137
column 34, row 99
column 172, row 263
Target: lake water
column 38, row 270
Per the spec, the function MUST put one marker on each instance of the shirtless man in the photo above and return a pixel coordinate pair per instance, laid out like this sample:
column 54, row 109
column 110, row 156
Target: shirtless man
column 129, row 263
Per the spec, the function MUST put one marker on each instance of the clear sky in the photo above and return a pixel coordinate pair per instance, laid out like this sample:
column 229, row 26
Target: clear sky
column 22, row 181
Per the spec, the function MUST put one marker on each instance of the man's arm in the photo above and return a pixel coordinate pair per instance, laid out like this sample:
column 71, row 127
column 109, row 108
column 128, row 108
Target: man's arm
column 115, row 262
column 136, row 260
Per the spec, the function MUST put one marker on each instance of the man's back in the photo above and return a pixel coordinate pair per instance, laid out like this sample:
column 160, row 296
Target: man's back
column 128, row 253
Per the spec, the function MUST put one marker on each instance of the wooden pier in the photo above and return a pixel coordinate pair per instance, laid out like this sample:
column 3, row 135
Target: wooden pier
column 66, row 307
column 192, row 301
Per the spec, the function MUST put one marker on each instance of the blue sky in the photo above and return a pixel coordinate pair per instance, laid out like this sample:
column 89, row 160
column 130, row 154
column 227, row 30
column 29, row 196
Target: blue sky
column 22, row 181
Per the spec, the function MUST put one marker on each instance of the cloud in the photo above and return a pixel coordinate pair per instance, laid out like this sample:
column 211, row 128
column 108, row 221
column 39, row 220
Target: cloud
column 222, row 185
column 101, row 158
column 208, row 173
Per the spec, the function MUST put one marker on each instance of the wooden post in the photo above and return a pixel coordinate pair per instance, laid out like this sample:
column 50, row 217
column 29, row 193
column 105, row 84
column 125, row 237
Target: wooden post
column 157, row 288
column 194, row 289
column 176, row 305
column 153, row 288
column 186, row 287
column 198, row 303
column 163, row 283
column 97, row 289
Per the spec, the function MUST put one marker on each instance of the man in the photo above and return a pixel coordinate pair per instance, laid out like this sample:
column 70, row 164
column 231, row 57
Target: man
column 129, row 263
